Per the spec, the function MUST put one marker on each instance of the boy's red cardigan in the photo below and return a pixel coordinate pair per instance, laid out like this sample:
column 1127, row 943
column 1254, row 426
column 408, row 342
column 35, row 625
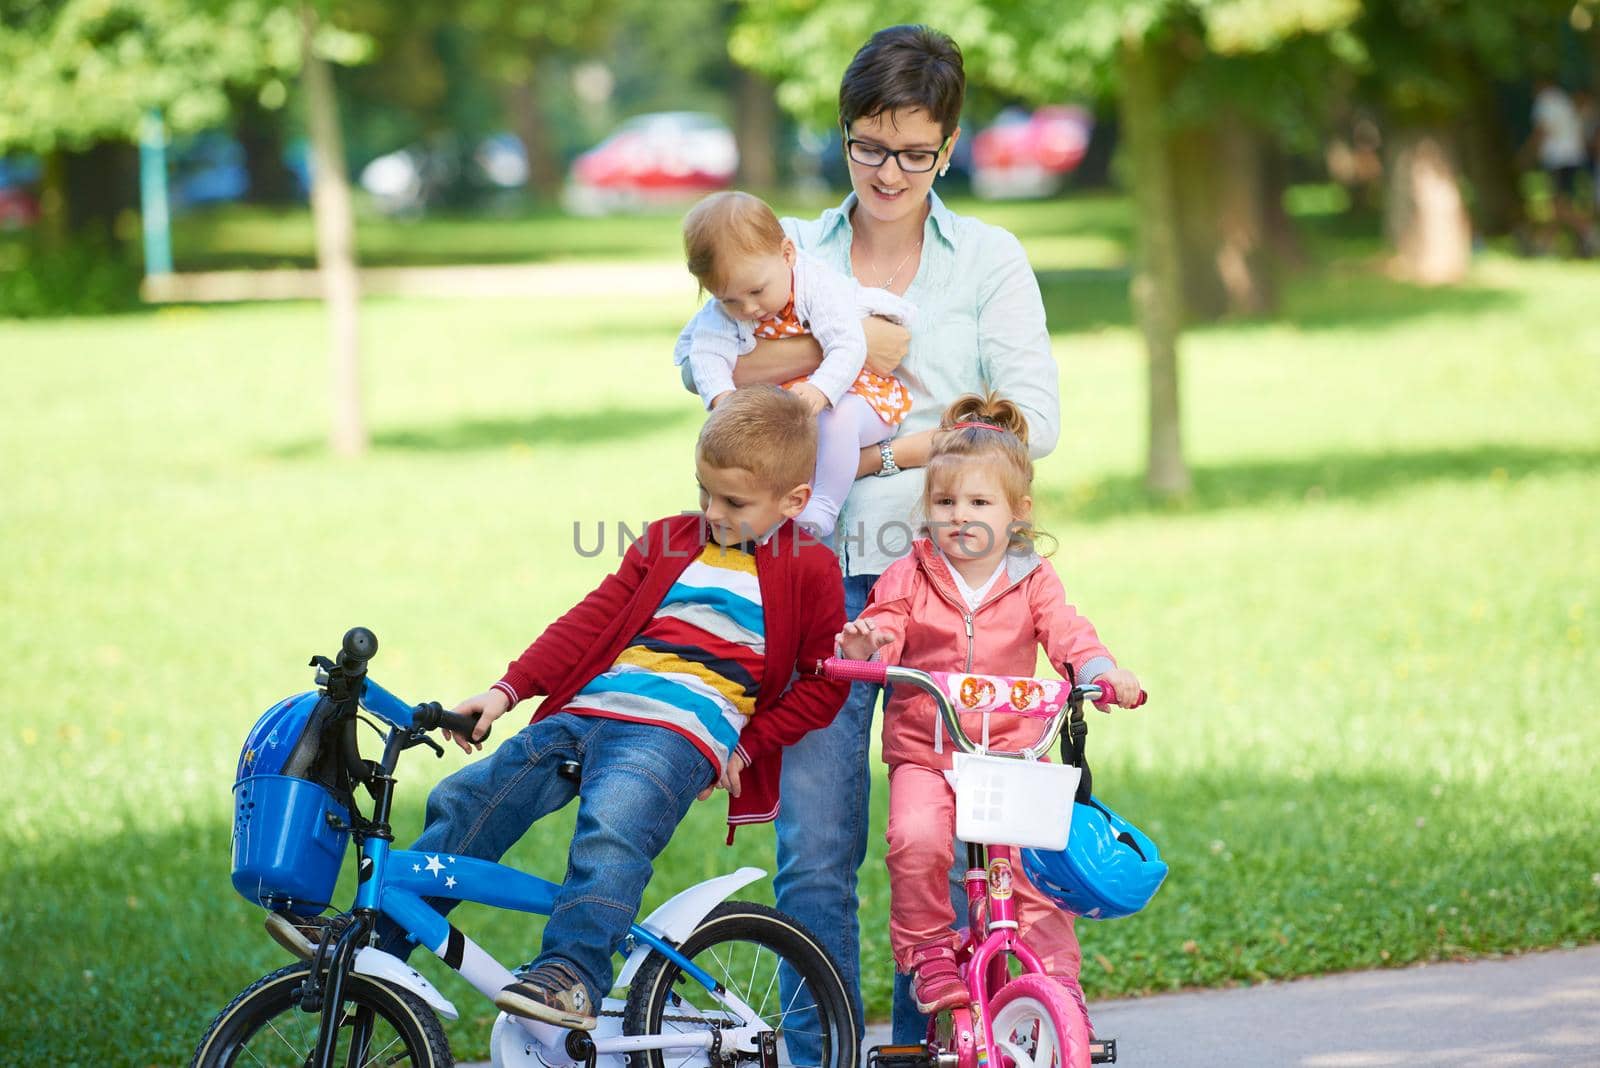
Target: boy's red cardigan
column 802, row 601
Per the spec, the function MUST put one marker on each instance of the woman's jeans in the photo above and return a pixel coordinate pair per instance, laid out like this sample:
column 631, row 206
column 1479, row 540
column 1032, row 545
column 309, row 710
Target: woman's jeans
column 822, row 837
column 822, row 842
column 638, row 781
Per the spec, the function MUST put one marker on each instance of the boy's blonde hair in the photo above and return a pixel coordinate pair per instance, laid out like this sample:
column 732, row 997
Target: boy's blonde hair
column 989, row 429
column 765, row 430
column 724, row 227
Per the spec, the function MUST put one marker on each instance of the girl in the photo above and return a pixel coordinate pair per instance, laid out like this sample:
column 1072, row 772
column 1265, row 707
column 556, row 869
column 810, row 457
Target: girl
column 762, row 287
column 972, row 596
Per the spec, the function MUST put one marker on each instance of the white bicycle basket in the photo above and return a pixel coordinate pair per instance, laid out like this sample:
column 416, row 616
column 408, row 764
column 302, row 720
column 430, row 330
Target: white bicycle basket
column 1006, row 801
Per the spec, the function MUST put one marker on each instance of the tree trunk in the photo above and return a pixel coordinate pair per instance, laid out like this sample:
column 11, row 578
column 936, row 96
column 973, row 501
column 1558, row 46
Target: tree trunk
column 335, row 222
column 84, row 194
column 1489, row 158
column 755, row 130
column 260, row 134
column 1243, row 258
column 1220, row 181
column 1198, row 186
column 1287, row 250
column 54, row 223
column 1425, row 215
column 1157, row 287
column 533, row 130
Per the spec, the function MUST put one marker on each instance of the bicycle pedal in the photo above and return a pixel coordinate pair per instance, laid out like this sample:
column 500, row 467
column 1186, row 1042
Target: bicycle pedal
column 910, row 1056
column 1102, row 1051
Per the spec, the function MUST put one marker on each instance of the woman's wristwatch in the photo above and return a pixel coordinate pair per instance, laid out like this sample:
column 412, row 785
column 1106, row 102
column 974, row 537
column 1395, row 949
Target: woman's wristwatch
column 889, row 467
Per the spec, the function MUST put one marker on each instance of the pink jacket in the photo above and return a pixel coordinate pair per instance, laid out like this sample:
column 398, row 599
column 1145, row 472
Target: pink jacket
column 917, row 600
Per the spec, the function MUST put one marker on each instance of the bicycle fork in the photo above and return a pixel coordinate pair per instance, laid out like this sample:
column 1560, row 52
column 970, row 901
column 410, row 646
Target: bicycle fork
column 323, row 989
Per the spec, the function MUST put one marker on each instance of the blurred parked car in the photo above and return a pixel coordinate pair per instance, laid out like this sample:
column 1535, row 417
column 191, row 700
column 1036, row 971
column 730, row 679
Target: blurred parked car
column 19, row 200
column 1029, row 155
column 206, row 169
column 439, row 171
column 661, row 158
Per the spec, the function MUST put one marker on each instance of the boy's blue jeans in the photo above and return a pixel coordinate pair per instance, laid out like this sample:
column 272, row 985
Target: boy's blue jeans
column 638, row 781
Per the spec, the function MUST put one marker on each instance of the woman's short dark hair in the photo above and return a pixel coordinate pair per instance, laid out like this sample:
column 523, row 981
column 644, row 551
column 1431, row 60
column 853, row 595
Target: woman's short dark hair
column 905, row 67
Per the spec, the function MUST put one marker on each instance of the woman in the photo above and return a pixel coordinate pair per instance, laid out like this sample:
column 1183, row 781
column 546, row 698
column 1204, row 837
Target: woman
column 980, row 326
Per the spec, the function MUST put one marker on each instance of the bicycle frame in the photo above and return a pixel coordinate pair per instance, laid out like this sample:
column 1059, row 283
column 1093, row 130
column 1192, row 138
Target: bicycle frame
column 990, row 906
column 393, row 883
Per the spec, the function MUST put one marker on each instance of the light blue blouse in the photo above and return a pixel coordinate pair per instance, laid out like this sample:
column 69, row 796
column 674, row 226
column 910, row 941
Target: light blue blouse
column 979, row 325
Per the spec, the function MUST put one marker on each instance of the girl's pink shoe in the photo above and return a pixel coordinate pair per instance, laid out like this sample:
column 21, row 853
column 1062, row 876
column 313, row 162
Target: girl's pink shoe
column 934, row 980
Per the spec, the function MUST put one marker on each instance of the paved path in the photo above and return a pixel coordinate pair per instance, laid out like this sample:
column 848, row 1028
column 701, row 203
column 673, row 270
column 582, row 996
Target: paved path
column 1541, row 1010
column 645, row 278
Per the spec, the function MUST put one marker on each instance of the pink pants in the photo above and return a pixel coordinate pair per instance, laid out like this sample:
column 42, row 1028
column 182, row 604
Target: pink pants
column 922, row 827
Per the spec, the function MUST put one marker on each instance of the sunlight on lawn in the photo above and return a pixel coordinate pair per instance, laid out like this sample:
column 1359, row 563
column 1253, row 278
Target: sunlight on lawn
column 1370, row 637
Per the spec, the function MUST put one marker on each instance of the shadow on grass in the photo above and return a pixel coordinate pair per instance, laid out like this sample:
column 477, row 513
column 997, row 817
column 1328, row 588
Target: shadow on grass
column 1347, row 297
column 1355, row 476
column 1332, row 299
column 1271, row 876
column 564, row 429
column 1081, row 300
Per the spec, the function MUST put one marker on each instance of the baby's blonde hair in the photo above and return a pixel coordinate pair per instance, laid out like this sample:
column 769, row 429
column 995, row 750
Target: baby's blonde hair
column 985, row 428
column 724, row 227
column 765, row 430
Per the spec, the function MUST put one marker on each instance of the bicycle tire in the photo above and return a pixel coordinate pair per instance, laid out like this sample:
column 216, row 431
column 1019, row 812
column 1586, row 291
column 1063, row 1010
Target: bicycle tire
column 1036, row 1024
column 656, row 993
column 251, row 1015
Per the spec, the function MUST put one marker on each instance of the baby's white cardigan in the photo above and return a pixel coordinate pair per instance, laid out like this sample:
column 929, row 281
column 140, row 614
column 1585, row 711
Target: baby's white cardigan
column 830, row 305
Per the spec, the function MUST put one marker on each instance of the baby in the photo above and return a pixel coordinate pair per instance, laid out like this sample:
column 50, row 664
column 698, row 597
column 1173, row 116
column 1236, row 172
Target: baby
column 763, row 287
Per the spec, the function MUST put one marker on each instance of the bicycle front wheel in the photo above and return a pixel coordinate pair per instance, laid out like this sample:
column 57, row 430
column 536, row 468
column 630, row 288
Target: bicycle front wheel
column 1036, row 1024
column 743, row 946
column 378, row 1024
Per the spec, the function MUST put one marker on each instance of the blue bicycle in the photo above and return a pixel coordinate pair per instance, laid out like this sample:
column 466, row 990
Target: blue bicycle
column 701, row 972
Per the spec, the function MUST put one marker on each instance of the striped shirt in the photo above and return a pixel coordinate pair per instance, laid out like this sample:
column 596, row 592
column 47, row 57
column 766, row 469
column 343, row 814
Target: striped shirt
column 696, row 667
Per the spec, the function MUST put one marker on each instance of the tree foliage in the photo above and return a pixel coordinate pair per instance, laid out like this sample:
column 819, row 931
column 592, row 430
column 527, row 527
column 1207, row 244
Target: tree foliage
column 1034, row 51
column 73, row 72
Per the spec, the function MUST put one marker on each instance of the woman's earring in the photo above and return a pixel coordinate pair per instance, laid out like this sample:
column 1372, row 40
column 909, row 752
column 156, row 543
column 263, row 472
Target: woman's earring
column 944, row 170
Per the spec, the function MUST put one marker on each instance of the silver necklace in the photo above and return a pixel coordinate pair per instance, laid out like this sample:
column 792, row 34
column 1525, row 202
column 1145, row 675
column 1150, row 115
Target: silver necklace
column 887, row 282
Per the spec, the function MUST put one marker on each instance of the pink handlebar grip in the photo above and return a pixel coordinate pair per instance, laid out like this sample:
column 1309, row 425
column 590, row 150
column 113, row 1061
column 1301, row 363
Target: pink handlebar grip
column 854, row 670
column 1108, row 698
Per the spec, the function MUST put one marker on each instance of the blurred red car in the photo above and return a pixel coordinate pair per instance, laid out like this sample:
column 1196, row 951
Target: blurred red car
column 19, row 200
column 662, row 158
column 1029, row 155
column 18, row 209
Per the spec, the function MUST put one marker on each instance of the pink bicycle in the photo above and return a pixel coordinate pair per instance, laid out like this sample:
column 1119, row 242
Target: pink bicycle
column 1004, row 801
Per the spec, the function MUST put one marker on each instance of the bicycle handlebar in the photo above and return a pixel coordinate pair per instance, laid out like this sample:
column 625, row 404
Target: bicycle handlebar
column 428, row 716
column 1025, row 692
column 358, row 647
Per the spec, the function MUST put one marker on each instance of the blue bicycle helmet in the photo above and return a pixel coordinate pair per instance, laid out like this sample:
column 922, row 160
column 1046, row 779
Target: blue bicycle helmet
column 292, row 806
column 276, row 734
column 1108, row 870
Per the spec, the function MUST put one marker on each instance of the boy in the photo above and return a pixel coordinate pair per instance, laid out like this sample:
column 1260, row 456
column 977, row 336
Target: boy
column 671, row 678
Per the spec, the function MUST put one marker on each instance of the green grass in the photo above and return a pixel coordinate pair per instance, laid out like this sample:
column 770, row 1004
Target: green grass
column 1086, row 232
column 1370, row 637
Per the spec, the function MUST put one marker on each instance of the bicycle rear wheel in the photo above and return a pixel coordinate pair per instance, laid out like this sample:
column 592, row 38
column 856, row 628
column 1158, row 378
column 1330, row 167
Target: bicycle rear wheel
column 378, row 1024
column 1036, row 1024
column 742, row 945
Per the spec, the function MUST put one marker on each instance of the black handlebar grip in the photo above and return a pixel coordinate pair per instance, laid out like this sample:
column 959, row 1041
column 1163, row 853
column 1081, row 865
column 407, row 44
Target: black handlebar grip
column 456, row 723
column 360, row 645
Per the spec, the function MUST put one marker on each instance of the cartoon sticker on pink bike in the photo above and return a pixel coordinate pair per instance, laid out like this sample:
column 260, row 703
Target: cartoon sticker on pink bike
column 996, row 693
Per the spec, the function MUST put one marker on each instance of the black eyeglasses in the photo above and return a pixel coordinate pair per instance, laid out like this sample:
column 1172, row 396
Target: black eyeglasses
column 909, row 160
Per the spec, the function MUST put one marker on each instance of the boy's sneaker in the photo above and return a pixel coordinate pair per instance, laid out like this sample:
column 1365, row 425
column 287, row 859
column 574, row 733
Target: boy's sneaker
column 552, row 992
column 300, row 935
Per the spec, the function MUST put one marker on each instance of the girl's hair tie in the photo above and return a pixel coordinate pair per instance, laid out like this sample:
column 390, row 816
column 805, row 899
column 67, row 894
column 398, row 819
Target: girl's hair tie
column 968, row 425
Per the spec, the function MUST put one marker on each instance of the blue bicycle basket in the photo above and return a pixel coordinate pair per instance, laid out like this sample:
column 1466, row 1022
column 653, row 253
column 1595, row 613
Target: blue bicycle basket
column 1108, row 870
column 286, row 850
